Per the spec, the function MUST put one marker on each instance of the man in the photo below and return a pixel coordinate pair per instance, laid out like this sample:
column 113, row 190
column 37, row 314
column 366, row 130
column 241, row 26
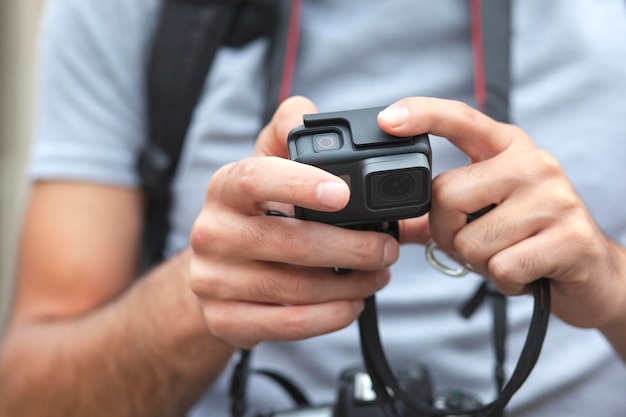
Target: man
column 88, row 337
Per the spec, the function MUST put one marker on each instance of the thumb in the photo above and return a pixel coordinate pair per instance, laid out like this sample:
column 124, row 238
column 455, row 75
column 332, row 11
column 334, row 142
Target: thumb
column 272, row 140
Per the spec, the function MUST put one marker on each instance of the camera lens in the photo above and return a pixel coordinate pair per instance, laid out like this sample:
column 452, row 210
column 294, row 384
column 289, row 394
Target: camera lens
column 396, row 186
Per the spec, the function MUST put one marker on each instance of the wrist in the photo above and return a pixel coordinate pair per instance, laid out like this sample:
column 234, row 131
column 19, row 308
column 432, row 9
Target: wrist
column 614, row 329
column 177, row 312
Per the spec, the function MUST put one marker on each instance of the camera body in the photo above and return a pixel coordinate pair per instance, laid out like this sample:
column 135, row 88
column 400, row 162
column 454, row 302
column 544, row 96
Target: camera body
column 389, row 176
column 355, row 396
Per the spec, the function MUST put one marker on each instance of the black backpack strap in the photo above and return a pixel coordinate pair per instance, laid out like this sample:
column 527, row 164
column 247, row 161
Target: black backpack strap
column 187, row 37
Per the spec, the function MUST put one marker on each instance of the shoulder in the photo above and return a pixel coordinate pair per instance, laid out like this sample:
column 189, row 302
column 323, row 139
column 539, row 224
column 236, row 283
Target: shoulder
column 104, row 30
column 91, row 105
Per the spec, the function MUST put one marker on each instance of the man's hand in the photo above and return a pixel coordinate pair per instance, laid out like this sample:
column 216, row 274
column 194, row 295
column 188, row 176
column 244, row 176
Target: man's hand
column 539, row 228
column 265, row 277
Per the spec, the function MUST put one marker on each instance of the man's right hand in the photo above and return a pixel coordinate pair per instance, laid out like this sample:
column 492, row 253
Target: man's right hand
column 262, row 277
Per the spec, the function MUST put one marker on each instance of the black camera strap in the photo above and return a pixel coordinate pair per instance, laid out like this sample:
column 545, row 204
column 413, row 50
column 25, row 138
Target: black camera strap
column 239, row 385
column 388, row 390
column 491, row 40
column 498, row 304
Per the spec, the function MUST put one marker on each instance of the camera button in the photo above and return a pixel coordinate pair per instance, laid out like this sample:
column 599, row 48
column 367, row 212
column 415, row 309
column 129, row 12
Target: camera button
column 326, row 142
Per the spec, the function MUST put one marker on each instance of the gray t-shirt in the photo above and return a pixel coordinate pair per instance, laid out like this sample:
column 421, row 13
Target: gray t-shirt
column 569, row 80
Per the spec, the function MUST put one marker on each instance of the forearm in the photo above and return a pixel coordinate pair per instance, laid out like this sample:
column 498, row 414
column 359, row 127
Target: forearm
column 147, row 353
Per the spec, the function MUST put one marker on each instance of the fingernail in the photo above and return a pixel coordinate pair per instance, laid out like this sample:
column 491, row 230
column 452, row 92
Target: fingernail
column 331, row 195
column 391, row 252
column 395, row 116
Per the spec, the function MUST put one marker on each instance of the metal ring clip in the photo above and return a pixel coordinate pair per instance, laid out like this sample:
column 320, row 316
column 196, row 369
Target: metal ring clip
column 435, row 263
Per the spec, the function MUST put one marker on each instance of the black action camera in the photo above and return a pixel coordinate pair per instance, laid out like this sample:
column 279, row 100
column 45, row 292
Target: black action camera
column 355, row 396
column 389, row 176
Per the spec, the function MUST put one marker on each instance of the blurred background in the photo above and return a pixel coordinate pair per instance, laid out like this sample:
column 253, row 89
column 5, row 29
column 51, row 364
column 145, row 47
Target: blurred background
column 19, row 21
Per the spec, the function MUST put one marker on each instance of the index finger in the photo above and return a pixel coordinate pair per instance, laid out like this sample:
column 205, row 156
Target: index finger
column 474, row 133
column 249, row 183
column 272, row 140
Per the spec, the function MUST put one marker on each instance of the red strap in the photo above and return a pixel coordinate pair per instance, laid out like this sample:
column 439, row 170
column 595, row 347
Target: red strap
column 479, row 55
column 292, row 50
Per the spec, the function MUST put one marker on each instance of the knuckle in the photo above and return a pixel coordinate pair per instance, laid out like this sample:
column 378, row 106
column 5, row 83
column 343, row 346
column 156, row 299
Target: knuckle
column 442, row 188
column 287, row 289
column 222, row 323
column 467, row 246
column 501, row 272
column 199, row 235
column 512, row 273
column 218, row 325
column 580, row 231
column 514, row 133
column 218, row 180
column 268, row 289
column 295, row 244
column 246, row 173
column 563, row 196
column 446, row 186
column 296, row 323
column 300, row 290
column 366, row 250
column 496, row 230
column 204, row 281
column 265, row 236
column 366, row 285
column 468, row 112
column 479, row 170
column 576, row 229
column 205, row 235
column 546, row 164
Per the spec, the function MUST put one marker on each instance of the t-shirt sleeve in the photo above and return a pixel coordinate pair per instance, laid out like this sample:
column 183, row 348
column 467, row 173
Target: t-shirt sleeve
column 90, row 119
